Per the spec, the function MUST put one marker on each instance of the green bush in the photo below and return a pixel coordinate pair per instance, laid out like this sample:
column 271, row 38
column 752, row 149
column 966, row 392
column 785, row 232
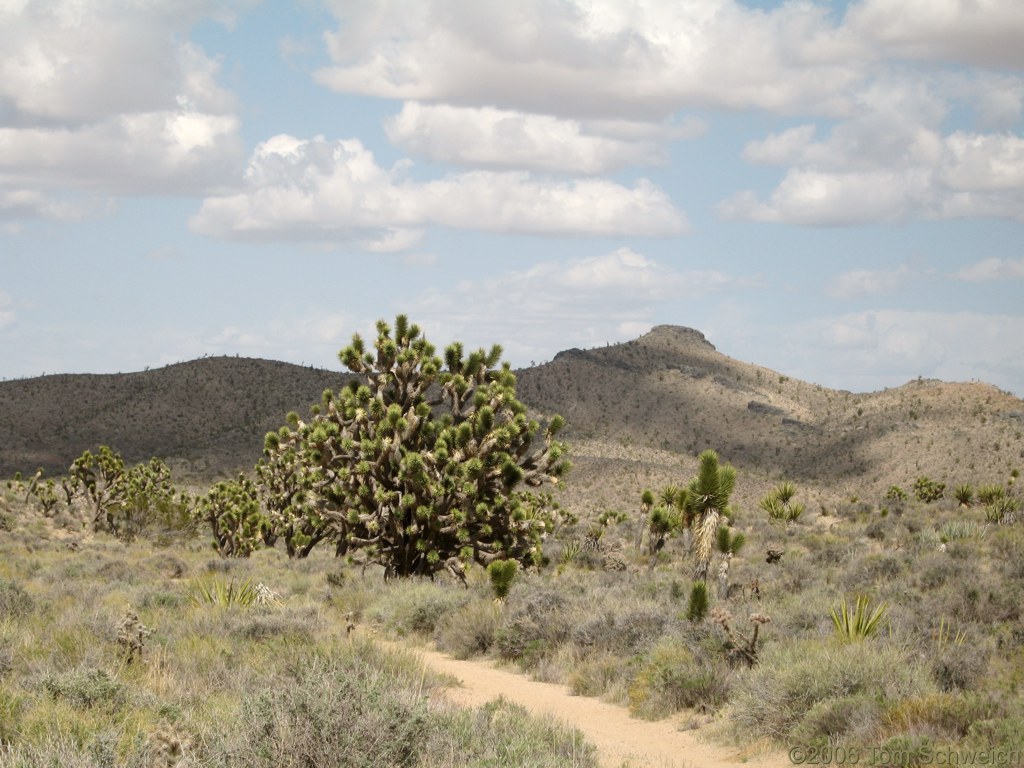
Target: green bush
column 326, row 709
column 470, row 630
column 670, row 678
column 776, row 696
column 86, row 688
column 535, row 622
column 416, row 607
column 14, row 600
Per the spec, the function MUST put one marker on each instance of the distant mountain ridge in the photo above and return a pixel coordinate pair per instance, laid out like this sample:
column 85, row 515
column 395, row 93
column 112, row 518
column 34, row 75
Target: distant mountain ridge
column 635, row 410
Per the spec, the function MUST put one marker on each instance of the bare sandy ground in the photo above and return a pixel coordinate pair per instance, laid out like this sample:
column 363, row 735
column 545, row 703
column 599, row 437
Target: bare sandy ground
column 620, row 739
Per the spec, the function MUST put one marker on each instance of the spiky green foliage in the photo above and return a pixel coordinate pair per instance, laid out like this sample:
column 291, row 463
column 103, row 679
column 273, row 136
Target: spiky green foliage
column 290, row 513
column 860, row 621
column 1003, row 510
column 232, row 510
column 779, row 505
column 697, row 607
column 419, row 459
column 964, row 495
column 895, row 493
column 707, row 502
column 120, row 499
column 989, row 494
column 502, row 574
column 225, row 593
column 729, row 541
column 928, row 490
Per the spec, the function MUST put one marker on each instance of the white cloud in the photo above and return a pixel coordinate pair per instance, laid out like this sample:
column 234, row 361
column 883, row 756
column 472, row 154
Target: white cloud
column 583, row 302
column 975, row 162
column 780, row 148
column 112, row 99
column 599, row 58
column 915, row 172
column 815, row 198
column 989, row 270
column 511, row 139
column 334, row 191
column 154, row 153
column 858, row 283
column 985, row 32
column 871, row 350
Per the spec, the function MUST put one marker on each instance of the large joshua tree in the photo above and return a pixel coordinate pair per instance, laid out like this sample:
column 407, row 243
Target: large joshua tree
column 417, row 462
column 707, row 502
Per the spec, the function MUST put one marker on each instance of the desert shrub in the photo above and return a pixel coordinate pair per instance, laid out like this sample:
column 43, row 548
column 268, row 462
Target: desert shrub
column 326, row 708
column 470, row 630
column 833, row 721
column 6, row 519
column 14, row 600
column 774, row 698
column 624, row 634
column 86, row 688
column 598, row 674
column 671, row 678
column 1005, row 733
column 536, row 620
column 942, row 716
column 167, row 566
column 416, row 607
column 502, row 733
column 11, row 705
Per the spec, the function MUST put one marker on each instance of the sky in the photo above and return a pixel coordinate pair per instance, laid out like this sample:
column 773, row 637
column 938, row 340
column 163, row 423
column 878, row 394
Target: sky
column 834, row 190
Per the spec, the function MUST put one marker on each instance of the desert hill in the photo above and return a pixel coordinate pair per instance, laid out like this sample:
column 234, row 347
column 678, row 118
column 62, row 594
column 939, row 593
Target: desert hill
column 638, row 414
column 206, row 417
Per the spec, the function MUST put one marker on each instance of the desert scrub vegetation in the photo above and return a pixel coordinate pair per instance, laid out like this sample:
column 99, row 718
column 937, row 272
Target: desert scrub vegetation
column 111, row 655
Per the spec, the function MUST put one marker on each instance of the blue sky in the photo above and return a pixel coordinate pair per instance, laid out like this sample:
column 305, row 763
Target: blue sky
column 833, row 190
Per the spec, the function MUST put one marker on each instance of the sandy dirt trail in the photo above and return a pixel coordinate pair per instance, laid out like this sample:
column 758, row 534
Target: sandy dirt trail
column 620, row 739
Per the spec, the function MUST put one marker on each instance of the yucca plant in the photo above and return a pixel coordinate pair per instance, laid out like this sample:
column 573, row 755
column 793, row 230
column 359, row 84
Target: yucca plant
column 964, row 495
column 778, row 503
column 502, row 573
column 226, row 593
column 860, row 622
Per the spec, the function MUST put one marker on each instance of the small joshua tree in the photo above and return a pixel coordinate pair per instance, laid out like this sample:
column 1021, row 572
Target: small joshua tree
column 697, row 607
column 420, row 459
column 728, row 542
column 121, row 500
column 502, row 573
column 232, row 509
column 707, row 503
